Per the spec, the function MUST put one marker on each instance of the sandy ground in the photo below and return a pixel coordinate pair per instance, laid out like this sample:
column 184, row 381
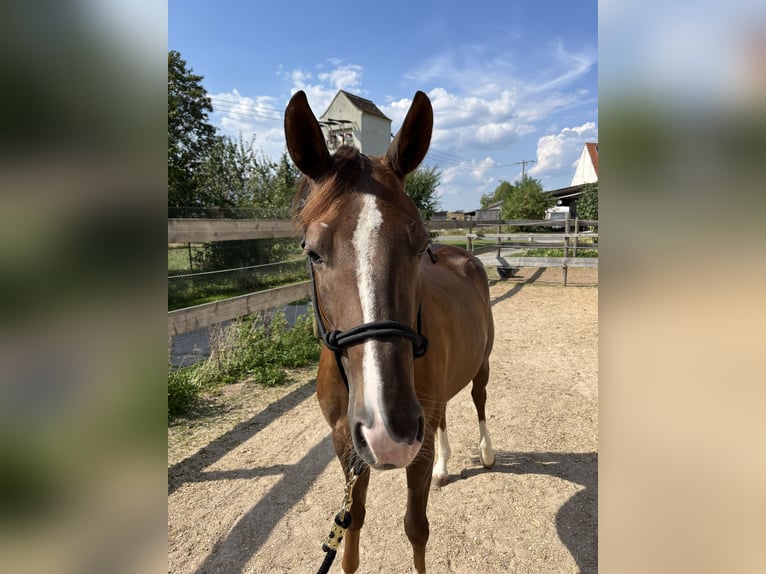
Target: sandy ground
column 253, row 482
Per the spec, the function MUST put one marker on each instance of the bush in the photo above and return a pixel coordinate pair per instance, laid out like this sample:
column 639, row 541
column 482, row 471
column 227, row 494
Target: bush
column 587, row 205
column 183, row 390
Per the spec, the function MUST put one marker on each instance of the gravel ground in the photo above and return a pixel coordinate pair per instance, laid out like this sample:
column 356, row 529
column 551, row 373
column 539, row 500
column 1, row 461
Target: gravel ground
column 253, row 482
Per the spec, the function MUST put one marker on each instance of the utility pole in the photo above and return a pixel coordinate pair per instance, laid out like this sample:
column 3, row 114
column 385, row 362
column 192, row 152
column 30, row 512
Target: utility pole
column 523, row 164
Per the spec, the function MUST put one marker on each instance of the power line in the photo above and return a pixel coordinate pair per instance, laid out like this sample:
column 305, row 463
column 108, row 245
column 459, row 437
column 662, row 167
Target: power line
column 445, row 157
column 260, row 107
column 523, row 164
column 245, row 109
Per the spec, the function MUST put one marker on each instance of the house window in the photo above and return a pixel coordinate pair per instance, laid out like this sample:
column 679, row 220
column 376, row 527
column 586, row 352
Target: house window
column 339, row 138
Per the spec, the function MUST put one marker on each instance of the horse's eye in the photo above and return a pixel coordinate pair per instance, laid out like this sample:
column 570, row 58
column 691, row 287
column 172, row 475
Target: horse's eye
column 313, row 256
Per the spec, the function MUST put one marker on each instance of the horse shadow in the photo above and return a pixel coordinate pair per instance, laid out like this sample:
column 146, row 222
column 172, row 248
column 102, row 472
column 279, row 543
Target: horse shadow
column 577, row 519
column 192, row 468
column 518, row 286
column 249, row 534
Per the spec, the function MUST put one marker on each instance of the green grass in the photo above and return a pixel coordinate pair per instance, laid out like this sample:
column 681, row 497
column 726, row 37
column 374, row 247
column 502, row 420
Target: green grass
column 178, row 257
column 581, row 252
column 258, row 347
column 187, row 291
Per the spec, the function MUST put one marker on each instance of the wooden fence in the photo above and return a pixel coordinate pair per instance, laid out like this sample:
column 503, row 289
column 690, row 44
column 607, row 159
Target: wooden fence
column 569, row 242
column 208, row 230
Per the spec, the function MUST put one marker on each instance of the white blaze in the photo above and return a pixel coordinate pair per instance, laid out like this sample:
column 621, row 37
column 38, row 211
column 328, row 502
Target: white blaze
column 365, row 239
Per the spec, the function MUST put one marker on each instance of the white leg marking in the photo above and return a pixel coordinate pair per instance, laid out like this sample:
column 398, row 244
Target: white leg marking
column 485, row 446
column 443, row 452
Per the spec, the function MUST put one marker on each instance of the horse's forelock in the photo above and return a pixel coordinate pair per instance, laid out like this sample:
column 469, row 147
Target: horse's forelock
column 315, row 197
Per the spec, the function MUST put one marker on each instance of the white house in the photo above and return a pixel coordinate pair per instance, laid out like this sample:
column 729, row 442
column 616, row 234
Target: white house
column 586, row 168
column 351, row 120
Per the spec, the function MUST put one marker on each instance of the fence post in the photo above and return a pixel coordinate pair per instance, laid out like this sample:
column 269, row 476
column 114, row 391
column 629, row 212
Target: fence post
column 577, row 234
column 566, row 246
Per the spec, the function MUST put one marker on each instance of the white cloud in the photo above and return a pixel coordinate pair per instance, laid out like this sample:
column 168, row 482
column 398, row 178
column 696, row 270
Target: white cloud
column 251, row 118
column 347, row 77
column 321, row 92
column 557, row 154
column 463, row 184
column 480, row 169
column 261, row 117
column 469, row 121
column 565, row 67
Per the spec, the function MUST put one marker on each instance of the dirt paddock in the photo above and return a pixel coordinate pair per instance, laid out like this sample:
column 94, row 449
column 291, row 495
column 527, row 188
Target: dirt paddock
column 253, row 482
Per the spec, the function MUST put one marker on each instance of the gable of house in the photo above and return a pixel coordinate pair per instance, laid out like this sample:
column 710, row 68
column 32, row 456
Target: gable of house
column 586, row 168
column 356, row 121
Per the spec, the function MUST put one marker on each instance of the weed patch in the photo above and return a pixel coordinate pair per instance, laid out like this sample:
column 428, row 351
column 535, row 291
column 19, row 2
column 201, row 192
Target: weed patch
column 258, row 347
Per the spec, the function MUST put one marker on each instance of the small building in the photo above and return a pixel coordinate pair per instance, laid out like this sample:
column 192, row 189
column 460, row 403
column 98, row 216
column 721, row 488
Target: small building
column 355, row 121
column 492, row 212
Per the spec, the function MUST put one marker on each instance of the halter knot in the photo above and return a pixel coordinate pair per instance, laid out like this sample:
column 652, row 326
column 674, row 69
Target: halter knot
column 420, row 350
column 331, row 340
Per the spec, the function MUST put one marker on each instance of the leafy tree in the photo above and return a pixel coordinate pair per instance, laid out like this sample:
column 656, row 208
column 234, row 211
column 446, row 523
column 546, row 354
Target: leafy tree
column 526, row 200
column 246, row 185
column 274, row 186
column 502, row 192
column 587, row 205
column 190, row 135
column 421, row 187
column 223, row 176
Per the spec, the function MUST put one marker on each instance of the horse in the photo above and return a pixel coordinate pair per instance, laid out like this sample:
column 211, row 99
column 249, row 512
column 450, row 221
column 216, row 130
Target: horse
column 406, row 324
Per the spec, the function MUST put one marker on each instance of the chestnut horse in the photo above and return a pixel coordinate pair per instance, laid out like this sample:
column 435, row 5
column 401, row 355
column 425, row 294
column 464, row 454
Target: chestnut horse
column 405, row 327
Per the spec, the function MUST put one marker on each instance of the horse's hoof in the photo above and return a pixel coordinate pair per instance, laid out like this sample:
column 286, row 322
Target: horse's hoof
column 439, row 480
column 488, row 460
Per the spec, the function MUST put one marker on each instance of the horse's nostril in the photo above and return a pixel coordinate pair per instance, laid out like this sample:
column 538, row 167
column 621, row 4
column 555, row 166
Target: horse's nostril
column 359, row 436
column 421, row 428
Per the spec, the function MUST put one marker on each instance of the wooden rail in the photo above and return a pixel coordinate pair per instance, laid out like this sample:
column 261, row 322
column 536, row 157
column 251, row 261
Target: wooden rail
column 550, row 261
column 508, row 266
column 191, row 318
column 208, row 230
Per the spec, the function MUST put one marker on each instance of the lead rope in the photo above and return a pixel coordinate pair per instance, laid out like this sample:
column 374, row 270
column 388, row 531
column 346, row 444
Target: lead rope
column 341, row 522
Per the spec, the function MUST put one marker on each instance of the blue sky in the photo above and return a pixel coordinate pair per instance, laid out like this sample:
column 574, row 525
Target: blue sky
column 509, row 81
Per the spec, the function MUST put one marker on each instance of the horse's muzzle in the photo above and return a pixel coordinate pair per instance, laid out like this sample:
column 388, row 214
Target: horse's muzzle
column 381, row 451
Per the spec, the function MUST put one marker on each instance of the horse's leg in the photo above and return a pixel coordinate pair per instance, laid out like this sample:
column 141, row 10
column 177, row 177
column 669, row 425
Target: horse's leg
column 333, row 400
column 479, row 394
column 418, row 488
column 441, row 445
column 350, row 561
column 342, row 443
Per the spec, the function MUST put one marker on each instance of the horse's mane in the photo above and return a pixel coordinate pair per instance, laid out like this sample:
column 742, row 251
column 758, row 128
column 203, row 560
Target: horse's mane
column 313, row 198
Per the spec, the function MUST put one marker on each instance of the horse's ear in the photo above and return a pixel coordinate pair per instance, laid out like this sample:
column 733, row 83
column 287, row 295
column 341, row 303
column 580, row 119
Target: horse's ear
column 410, row 145
column 305, row 141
